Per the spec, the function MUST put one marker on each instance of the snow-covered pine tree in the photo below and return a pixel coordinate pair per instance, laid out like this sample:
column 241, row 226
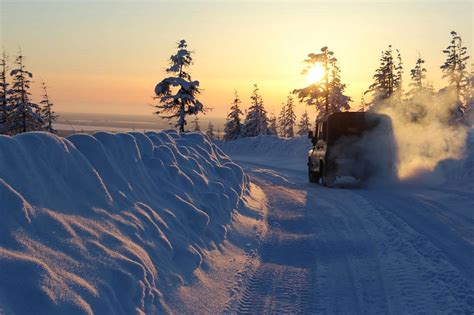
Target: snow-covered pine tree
column 363, row 104
column 256, row 121
column 24, row 115
column 398, row 80
column 328, row 95
column 47, row 113
column 282, row 120
column 272, row 125
column 470, row 100
column 290, row 118
column 218, row 133
column 196, row 128
column 387, row 80
column 183, row 102
column 233, row 126
column 304, row 125
column 4, row 106
column 454, row 69
column 210, row 131
column 418, row 76
column 419, row 93
column 338, row 101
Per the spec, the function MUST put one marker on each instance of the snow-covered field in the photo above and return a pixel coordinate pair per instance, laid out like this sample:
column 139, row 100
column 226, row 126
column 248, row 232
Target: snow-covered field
column 160, row 222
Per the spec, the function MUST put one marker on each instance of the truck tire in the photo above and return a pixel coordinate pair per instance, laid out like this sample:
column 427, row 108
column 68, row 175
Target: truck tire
column 312, row 176
column 326, row 181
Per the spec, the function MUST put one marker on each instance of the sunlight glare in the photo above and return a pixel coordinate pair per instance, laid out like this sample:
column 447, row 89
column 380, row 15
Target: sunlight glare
column 315, row 73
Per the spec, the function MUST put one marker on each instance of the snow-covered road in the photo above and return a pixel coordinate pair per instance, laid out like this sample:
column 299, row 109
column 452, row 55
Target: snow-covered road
column 398, row 250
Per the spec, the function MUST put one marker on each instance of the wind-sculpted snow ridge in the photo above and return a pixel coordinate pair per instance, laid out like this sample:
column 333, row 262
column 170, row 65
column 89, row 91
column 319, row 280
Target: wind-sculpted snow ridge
column 108, row 223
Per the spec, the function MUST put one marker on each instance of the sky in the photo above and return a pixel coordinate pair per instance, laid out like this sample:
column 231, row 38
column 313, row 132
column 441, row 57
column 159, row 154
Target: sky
column 107, row 56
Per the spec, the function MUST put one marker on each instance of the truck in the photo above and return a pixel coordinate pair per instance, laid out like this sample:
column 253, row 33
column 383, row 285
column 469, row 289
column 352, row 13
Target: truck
column 350, row 148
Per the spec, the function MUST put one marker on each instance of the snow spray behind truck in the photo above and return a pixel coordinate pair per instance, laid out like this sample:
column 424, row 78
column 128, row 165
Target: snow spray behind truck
column 351, row 148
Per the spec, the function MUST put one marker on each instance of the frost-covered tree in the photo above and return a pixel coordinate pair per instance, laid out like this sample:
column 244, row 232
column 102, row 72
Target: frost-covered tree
column 25, row 115
column 304, row 125
column 233, row 126
column 210, row 131
column 4, row 106
column 47, row 113
column 387, row 79
column 256, row 121
column 282, row 119
column 288, row 118
column 418, row 76
column 196, row 127
column 328, row 94
column 177, row 94
column 272, row 125
column 470, row 100
column 419, row 93
column 455, row 70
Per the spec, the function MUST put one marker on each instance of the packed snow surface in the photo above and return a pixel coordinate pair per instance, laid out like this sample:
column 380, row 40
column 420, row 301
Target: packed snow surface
column 403, row 249
column 109, row 223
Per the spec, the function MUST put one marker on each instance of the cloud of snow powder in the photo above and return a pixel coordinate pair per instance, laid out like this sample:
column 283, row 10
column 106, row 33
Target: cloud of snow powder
column 424, row 135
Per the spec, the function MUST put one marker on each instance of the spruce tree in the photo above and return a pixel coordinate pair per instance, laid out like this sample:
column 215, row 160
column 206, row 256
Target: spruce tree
column 47, row 112
column 272, row 125
column 282, row 120
column 4, row 101
column 290, row 118
column 256, row 121
column 196, row 128
column 210, row 131
column 304, row 125
column 183, row 102
column 418, row 76
column 419, row 93
column 25, row 114
column 387, row 80
column 454, row 69
column 328, row 95
column 233, row 126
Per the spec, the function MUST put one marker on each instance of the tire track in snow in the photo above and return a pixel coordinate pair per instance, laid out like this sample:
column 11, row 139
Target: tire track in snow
column 367, row 252
column 423, row 273
column 283, row 282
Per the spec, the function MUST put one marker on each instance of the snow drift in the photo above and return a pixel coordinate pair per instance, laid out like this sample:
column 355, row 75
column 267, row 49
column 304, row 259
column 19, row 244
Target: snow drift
column 106, row 223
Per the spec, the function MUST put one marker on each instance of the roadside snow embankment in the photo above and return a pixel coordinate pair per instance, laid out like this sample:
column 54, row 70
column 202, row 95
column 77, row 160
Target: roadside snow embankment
column 270, row 151
column 105, row 223
column 458, row 173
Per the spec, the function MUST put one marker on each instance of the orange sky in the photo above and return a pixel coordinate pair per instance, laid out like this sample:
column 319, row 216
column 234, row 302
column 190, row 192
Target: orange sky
column 106, row 57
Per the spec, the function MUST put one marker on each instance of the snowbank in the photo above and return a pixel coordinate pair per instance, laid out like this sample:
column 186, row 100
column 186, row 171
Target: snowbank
column 270, row 150
column 458, row 173
column 107, row 223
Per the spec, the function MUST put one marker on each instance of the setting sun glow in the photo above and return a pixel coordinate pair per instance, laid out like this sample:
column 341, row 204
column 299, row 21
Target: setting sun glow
column 315, row 73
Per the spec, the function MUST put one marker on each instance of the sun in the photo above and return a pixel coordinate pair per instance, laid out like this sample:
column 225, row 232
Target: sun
column 315, row 73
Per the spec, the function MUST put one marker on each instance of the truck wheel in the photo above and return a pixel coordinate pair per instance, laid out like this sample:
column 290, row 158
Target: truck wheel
column 326, row 181
column 312, row 176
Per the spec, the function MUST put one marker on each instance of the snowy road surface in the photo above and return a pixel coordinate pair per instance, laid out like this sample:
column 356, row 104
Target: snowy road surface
column 399, row 250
